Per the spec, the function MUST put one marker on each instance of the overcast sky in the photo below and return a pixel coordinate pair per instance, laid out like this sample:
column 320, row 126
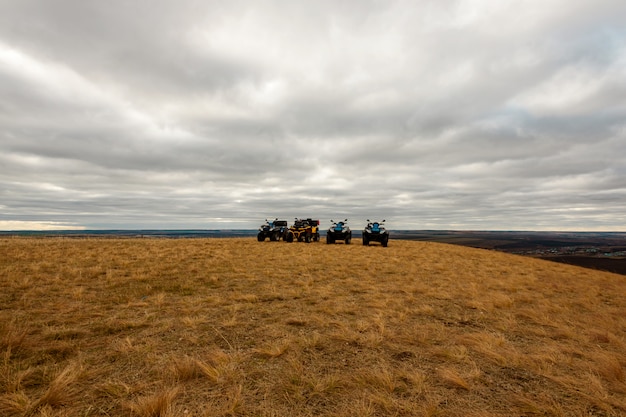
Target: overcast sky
column 468, row 114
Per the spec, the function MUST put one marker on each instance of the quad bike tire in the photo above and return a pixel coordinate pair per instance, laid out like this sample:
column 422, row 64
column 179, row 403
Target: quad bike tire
column 289, row 237
column 260, row 237
column 366, row 241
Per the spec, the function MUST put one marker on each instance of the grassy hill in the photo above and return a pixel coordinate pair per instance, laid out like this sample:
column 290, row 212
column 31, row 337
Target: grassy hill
column 210, row 327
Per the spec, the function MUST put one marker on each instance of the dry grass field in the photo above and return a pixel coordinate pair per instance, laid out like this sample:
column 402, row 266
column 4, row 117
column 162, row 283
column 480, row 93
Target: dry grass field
column 234, row 327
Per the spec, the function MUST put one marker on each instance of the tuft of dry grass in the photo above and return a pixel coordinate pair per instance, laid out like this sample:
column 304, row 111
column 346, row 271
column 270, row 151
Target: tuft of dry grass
column 234, row 327
column 452, row 379
column 159, row 404
column 63, row 389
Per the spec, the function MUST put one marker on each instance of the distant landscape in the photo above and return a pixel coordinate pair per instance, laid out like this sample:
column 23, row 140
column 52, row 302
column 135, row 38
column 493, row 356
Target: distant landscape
column 605, row 251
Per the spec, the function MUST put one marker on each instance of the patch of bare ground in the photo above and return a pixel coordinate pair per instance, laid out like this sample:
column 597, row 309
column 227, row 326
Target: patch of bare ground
column 234, row 327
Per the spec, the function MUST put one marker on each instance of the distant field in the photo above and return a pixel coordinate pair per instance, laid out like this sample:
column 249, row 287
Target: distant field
column 617, row 266
column 234, row 327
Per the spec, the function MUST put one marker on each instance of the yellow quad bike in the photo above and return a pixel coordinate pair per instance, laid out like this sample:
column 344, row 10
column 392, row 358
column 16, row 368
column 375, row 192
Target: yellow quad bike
column 304, row 230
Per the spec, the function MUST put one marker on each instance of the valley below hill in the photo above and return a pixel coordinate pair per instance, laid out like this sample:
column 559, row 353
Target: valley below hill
column 605, row 251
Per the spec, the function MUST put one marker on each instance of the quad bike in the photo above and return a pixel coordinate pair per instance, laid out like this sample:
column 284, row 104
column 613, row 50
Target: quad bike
column 375, row 232
column 304, row 230
column 275, row 230
column 339, row 231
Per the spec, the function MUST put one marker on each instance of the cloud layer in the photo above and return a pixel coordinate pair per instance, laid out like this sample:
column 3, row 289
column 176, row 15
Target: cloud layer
column 201, row 114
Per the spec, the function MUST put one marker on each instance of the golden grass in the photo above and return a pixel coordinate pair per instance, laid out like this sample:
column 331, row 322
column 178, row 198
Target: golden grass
column 234, row 327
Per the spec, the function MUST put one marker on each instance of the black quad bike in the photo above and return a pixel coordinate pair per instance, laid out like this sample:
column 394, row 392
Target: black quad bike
column 339, row 231
column 303, row 230
column 375, row 232
column 275, row 230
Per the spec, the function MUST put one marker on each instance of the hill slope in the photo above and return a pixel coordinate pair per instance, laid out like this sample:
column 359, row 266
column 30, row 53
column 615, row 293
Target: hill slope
column 205, row 327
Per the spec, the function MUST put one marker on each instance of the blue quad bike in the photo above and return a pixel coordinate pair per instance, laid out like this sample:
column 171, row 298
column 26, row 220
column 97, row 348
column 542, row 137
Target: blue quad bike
column 339, row 231
column 375, row 232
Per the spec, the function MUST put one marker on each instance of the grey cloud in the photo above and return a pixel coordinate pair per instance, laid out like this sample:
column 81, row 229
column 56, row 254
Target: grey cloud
column 455, row 115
